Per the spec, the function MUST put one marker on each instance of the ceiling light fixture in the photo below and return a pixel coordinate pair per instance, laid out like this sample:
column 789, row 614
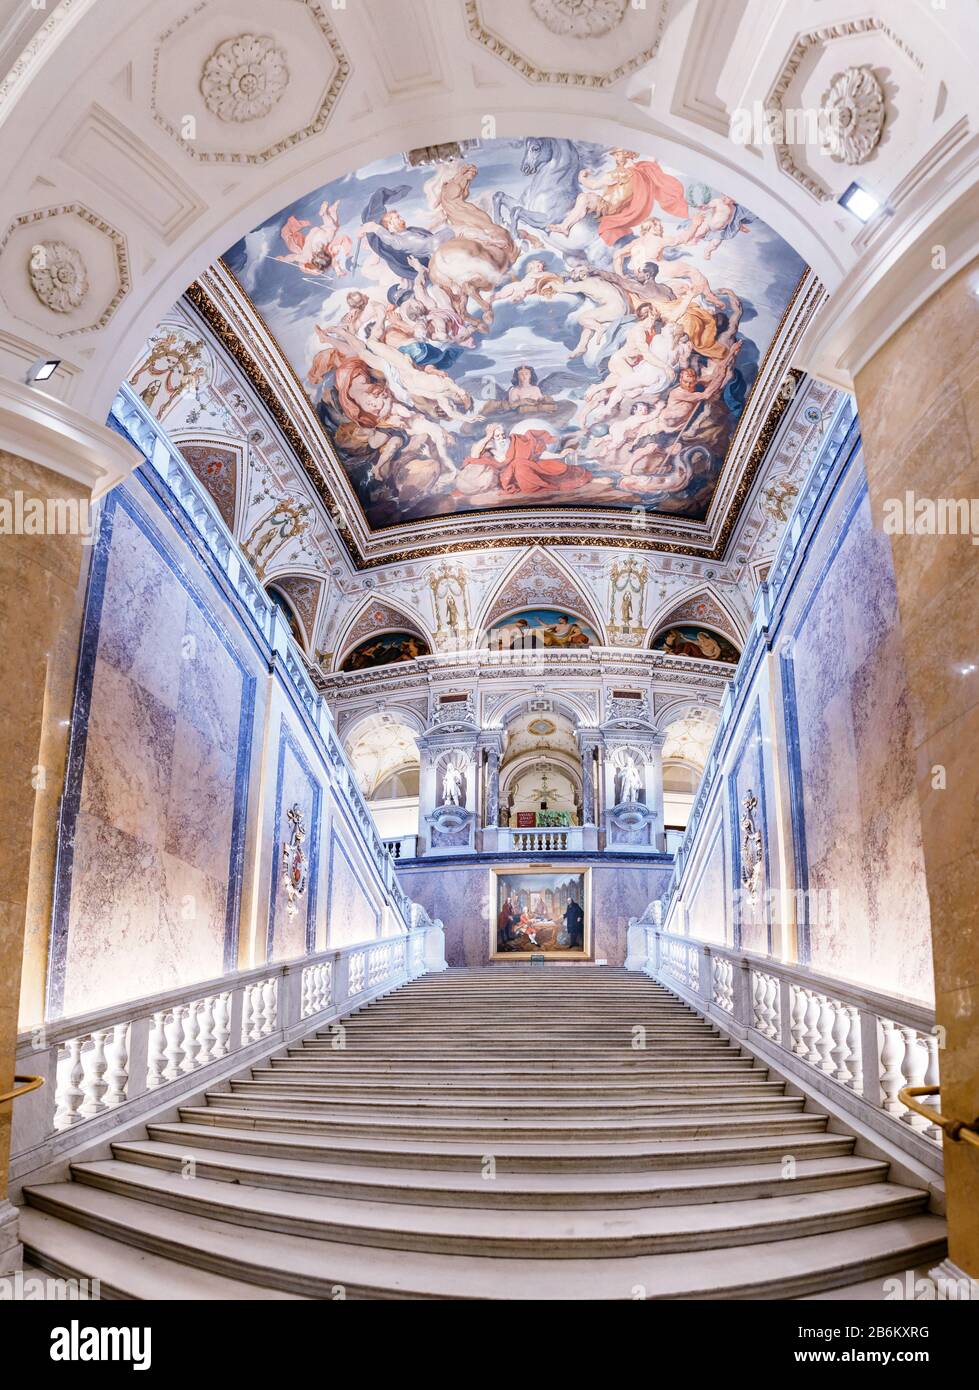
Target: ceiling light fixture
column 860, row 201
column 42, row 370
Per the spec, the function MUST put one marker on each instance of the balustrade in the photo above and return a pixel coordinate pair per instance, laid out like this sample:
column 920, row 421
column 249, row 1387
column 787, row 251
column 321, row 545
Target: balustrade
column 869, row 1045
column 103, row 1063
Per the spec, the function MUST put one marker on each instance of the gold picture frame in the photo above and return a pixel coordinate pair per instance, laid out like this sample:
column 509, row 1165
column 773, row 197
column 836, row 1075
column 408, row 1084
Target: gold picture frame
column 529, row 911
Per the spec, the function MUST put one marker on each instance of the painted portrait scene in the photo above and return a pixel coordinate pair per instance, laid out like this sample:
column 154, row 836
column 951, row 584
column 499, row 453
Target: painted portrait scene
column 541, row 913
column 542, row 321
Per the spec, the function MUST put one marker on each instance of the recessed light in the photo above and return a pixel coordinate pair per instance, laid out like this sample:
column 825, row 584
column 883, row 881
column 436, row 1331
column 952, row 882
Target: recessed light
column 42, row 370
column 858, row 200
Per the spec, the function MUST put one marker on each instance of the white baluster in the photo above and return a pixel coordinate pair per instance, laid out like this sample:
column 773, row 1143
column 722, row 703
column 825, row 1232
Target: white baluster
column 156, row 1049
column 191, row 1043
column 118, row 1075
column 205, row 1036
column 222, row 1025
column 811, row 1037
column 931, row 1079
column 914, row 1064
column 269, row 1002
column 891, row 1057
column 853, row 1065
column 824, row 1039
column 771, row 1007
column 94, row 1084
column 840, row 1049
column 174, row 1051
column 72, row 1094
column 799, row 1003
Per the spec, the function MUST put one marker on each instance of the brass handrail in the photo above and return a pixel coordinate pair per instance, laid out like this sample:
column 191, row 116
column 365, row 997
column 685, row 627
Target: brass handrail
column 955, row 1129
column 31, row 1084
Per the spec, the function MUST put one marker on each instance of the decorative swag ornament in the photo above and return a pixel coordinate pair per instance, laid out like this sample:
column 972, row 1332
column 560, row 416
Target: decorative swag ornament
column 295, row 861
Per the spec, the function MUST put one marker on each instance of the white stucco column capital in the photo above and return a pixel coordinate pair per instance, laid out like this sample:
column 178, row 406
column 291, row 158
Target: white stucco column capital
column 46, row 431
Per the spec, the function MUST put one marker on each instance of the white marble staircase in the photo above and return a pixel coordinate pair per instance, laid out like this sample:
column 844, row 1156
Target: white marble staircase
column 490, row 1134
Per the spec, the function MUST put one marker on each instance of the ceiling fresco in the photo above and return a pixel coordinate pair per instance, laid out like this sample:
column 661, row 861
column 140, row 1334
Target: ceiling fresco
column 536, row 323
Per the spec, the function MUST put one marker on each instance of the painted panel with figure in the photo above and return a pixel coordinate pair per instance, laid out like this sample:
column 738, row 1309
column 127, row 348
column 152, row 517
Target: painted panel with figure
column 381, row 651
column 541, row 912
column 534, row 322
column 541, row 627
column 700, row 642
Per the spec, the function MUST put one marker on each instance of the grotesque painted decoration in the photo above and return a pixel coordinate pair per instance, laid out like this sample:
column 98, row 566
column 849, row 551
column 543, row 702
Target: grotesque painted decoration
column 540, row 322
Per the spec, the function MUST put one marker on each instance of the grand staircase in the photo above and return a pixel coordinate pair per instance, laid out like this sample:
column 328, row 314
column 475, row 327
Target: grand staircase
column 504, row 1133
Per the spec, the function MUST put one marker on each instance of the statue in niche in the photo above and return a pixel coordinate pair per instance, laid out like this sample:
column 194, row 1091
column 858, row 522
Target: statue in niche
column 631, row 779
column 452, row 790
column 751, row 849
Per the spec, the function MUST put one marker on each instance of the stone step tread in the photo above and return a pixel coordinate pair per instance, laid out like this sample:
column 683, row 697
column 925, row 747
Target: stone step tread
column 607, row 1232
column 734, row 1068
column 391, row 1184
column 263, row 1091
column 784, row 1122
column 70, row 1251
column 661, row 1152
column 325, row 1080
column 776, row 1269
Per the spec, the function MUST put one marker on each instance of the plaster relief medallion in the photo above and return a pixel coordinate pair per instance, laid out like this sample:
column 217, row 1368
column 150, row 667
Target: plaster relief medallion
column 244, row 78
column 853, row 110
column 58, row 275
column 580, row 19
column 295, row 862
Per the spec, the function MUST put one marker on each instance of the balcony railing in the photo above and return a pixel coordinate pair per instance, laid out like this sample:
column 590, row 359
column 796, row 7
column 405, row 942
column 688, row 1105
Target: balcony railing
column 849, row 1043
column 559, row 840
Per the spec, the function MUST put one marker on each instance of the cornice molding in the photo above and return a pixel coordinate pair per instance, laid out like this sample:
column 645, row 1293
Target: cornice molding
column 43, row 429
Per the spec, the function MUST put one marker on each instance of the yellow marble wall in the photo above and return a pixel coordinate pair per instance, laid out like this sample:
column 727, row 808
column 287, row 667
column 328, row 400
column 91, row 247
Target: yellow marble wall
column 41, row 592
column 919, row 410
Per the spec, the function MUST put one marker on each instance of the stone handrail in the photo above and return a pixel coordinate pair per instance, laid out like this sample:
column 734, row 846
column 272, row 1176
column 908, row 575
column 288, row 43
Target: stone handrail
column 109, row 1067
column 846, row 1042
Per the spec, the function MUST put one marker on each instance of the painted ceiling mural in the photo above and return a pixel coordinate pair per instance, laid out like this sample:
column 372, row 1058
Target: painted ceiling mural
column 687, row 640
column 537, row 322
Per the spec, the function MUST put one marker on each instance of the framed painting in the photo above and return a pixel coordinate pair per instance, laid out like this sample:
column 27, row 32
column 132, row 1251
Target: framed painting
column 542, row 911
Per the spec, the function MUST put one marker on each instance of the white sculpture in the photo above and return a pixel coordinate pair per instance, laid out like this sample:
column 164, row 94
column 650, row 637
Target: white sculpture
column 631, row 780
column 452, row 786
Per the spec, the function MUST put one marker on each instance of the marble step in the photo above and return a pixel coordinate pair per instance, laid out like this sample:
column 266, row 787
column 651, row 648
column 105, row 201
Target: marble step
column 736, row 1083
column 467, row 1107
column 338, row 1064
column 470, row 1188
column 492, row 1131
column 528, row 1053
column 317, row 1268
column 588, row 1234
column 69, row 1251
column 511, row 1156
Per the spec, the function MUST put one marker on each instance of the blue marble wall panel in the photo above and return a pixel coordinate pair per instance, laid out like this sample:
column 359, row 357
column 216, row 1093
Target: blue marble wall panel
column 854, row 772
column 148, row 884
column 293, row 934
column 707, row 903
column 352, row 913
column 751, row 915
